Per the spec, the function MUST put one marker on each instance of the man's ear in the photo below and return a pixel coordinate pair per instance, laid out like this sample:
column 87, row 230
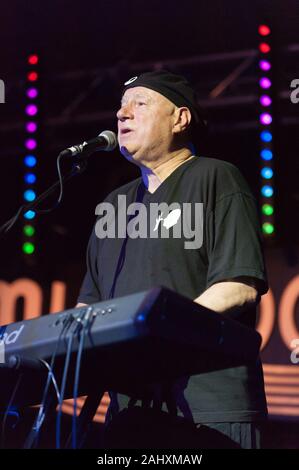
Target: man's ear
column 182, row 120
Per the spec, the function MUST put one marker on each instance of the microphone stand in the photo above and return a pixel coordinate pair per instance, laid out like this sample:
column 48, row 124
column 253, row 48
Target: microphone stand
column 77, row 169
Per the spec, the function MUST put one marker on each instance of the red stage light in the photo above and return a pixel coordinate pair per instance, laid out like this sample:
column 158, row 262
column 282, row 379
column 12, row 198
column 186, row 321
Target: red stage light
column 32, row 76
column 264, row 30
column 264, row 47
column 33, row 59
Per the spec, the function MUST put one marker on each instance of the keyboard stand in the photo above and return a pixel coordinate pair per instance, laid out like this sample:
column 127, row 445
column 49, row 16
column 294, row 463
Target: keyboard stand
column 84, row 420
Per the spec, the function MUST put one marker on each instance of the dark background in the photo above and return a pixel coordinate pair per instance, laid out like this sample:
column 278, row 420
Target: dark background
column 87, row 50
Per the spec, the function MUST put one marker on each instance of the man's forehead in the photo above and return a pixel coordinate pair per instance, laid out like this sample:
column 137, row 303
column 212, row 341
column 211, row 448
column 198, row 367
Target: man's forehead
column 138, row 91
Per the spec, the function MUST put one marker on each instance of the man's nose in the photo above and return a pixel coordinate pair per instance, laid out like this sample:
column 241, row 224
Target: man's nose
column 125, row 112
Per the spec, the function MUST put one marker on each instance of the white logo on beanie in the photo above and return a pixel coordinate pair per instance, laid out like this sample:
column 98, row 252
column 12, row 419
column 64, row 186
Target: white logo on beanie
column 131, row 80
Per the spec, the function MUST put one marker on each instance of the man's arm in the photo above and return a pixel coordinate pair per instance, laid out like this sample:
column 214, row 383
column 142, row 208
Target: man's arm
column 229, row 295
column 80, row 305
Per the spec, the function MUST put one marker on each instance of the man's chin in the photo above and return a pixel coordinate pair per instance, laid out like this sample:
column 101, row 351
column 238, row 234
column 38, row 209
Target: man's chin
column 127, row 154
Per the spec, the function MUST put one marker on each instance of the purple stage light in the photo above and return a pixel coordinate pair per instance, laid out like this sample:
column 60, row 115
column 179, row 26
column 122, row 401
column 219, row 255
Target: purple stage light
column 31, row 127
column 265, row 100
column 31, row 109
column 265, row 118
column 265, row 65
column 32, row 93
column 265, row 82
column 30, row 144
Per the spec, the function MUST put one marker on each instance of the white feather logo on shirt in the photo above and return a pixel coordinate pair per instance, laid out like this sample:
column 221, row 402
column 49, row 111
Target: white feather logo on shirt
column 170, row 220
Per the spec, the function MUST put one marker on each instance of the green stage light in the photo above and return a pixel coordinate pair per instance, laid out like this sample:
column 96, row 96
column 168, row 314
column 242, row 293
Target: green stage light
column 267, row 209
column 268, row 228
column 28, row 230
column 28, row 248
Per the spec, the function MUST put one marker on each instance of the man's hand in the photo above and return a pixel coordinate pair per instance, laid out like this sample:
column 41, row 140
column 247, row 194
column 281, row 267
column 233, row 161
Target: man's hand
column 81, row 305
column 229, row 295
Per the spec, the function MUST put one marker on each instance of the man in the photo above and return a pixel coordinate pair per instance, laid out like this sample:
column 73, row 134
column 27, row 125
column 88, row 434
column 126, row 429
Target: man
column 158, row 121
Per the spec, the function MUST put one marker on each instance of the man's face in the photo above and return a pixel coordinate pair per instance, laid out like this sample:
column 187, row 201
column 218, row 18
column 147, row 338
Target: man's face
column 145, row 123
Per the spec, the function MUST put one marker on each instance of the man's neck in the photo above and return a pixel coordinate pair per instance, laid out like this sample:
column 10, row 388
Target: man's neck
column 153, row 177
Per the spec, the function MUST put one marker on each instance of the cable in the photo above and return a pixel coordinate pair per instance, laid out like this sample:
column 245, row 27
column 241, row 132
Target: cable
column 45, row 211
column 5, row 227
column 63, row 385
column 42, row 413
column 84, row 325
column 78, row 167
column 8, row 408
column 52, row 375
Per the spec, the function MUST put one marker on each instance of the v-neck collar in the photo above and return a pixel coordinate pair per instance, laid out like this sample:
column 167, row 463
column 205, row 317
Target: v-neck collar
column 169, row 177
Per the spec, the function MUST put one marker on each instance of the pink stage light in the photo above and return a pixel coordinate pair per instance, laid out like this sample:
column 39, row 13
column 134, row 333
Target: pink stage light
column 31, row 109
column 265, row 100
column 265, row 118
column 31, row 127
column 265, row 65
column 30, row 144
column 32, row 93
column 265, row 82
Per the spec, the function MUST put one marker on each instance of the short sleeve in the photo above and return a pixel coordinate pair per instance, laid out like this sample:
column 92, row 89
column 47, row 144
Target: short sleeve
column 234, row 241
column 90, row 292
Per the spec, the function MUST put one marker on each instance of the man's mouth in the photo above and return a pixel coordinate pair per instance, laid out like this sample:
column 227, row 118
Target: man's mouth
column 125, row 131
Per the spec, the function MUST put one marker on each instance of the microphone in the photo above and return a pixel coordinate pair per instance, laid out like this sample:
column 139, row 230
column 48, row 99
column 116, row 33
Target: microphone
column 106, row 141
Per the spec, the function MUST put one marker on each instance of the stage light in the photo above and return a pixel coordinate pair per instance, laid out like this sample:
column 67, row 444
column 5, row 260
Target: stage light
column 264, row 48
column 31, row 109
column 32, row 76
column 30, row 144
column 267, row 191
column 265, row 100
column 29, row 215
column 30, row 178
column 28, row 230
column 266, row 154
column 265, row 83
column 28, row 248
column 265, row 65
column 32, row 93
column 268, row 228
column 264, row 30
column 31, row 127
column 33, row 59
column 29, row 195
column 30, row 161
column 266, row 136
column 267, row 172
column 266, row 119
column 267, row 209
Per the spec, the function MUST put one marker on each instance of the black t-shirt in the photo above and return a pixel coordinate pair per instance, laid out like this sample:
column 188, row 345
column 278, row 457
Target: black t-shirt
column 219, row 239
